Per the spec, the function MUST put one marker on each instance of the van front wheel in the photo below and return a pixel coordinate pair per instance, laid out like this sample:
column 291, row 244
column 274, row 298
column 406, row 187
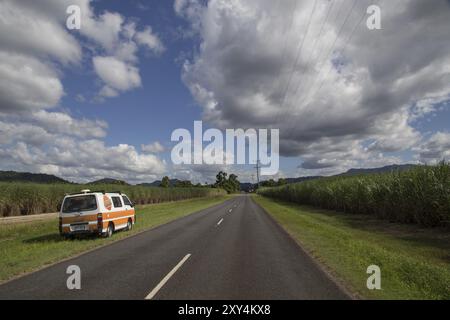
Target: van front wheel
column 109, row 231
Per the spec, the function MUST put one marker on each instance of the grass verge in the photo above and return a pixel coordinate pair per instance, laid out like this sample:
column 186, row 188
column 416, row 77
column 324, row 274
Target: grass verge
column 26, row 247
column 414, row 262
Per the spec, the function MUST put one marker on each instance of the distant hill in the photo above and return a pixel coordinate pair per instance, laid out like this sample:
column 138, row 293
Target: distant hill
column 157, row 183
column 351, row 172
column 110, row 181
column 385, row 169
column 301, row 179
column 12, row 176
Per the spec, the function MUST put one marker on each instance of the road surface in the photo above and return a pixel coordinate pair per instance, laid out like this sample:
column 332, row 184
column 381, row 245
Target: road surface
column 230, row 251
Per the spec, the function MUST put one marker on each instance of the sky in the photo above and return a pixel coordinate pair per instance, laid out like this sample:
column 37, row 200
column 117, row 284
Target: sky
column 104, row 100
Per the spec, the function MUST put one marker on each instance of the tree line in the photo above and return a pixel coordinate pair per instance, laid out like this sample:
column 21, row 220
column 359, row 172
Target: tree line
column 229, row 183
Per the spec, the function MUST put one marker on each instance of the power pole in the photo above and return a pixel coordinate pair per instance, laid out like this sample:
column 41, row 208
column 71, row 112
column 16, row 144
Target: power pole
column 258, row 166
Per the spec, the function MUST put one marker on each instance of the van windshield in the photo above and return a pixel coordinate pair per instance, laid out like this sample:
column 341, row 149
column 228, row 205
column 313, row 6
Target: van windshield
column 79, row 203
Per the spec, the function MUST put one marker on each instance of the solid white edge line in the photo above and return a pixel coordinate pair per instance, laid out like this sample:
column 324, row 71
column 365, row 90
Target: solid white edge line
column 166, row 278
column 218, row 223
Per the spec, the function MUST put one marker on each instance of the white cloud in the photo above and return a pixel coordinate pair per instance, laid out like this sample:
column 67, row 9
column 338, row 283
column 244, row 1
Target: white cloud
column 27, row 84
column 435, row 149
column 104, row 29
column 108, row 92
column 117, row 74
column 24, row 28
column 35, row 44
column 155, row 147
column 62, row 123
column 23, row 132
column 84, row 160
column 150, row 40
column 254, row 68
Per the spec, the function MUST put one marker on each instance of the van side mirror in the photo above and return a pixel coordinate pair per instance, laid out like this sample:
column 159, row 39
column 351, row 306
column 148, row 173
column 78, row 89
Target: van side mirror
column 58, row 207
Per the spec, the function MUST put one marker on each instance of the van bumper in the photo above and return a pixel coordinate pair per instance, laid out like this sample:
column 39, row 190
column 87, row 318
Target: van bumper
column 67, row 230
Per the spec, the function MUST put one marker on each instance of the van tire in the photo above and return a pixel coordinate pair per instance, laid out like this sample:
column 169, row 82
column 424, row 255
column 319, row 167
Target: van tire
column 109, row 231
column 129, row 225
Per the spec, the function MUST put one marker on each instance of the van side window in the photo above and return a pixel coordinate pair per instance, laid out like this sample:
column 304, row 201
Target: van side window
column 117, row 202
column 126, row 201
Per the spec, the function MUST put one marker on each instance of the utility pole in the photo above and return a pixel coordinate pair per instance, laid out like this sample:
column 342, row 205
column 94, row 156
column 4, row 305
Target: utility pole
column 258, row 166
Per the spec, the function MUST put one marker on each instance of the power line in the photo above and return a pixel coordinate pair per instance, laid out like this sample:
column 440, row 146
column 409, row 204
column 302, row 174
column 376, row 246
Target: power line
column 336, row 38
column 294, row 9
column 317, row 40
column 343, row 48
column 332, row 2
column 304, row 96
column 350, row 37
column 299, row 49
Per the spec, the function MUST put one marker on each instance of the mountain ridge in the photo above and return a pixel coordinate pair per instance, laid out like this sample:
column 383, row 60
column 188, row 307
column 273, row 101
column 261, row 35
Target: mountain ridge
column 14, row 176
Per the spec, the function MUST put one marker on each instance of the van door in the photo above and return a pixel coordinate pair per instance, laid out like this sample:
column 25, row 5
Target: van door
column 127, row 203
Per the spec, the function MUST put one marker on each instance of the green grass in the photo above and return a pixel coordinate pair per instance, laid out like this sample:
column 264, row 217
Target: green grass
column 414, row 262
column 27, row 246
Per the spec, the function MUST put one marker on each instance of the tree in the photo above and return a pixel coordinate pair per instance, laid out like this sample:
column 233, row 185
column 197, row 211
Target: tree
column 231, row 184
column 221, row 178
column 269, row 183
column 165, row 182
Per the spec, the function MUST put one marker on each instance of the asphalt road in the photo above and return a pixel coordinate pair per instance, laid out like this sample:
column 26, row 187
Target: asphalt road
column 231, row 251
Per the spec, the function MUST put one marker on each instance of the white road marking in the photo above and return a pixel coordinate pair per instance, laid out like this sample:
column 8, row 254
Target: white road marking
column 166, row 278
column 218, row 223
column 230, row 210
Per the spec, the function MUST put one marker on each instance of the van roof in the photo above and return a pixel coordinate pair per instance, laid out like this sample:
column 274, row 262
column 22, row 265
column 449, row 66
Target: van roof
column 83, row 192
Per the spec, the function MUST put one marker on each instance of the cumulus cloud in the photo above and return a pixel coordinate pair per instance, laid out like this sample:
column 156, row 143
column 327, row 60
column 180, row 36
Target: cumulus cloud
column 62, row 123
column 435, row 149
column 150, row 40
column 34, row 41
column 116, row 74
column 28, row 27
column 118, row 68
column 35, row 51
column 27, row 84
column 316, row 72
column 85, row 160
column 155, row 147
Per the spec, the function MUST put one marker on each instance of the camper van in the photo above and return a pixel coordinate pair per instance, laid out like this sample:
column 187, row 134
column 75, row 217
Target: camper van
column 97, row 212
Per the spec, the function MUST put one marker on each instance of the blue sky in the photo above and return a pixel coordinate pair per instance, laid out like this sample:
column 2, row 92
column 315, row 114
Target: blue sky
column 80, row 104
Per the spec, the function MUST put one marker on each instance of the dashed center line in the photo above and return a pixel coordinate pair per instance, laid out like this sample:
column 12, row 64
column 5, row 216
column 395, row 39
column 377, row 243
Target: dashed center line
column 230, row 210
column 166, row 278
column 218, row 223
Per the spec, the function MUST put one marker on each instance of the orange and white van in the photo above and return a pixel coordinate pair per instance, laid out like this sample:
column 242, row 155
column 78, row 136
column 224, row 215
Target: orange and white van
column 96, row 212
